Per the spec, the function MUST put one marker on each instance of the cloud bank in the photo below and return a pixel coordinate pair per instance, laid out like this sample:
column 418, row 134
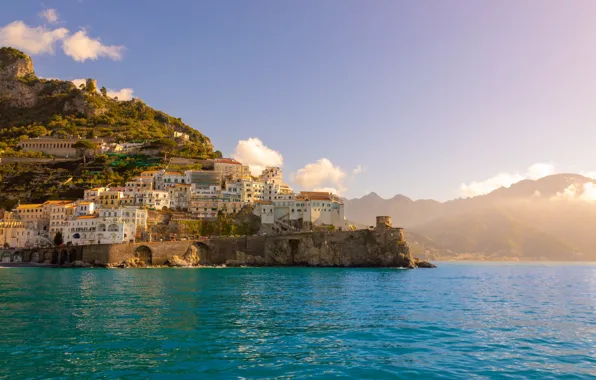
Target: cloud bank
column 42, row 40
column 324, row 176
column 476, row 188
column 81, row 47
column 585, row 192
column 38, row 40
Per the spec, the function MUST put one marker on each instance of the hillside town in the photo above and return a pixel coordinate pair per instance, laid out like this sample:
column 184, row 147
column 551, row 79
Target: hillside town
column 123, row 214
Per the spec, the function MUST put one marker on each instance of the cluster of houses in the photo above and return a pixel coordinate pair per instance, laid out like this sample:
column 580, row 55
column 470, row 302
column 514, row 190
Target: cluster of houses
column 226, row 189
column 108, row 215
column 78, row 222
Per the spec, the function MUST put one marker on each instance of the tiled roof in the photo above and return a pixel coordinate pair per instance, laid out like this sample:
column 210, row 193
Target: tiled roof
column 57, row 202
column 29, row 206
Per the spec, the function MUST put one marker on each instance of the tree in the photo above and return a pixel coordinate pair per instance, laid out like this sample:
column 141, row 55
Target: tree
column 103, row 91
column 58, row 239
column 84, row 147
column 165, row 145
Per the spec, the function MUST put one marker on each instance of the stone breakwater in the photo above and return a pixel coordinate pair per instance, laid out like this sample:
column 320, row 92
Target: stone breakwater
column 381, row 247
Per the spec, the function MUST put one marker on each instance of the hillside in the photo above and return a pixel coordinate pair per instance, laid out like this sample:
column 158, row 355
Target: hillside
column 550, row 218
column 33, row 107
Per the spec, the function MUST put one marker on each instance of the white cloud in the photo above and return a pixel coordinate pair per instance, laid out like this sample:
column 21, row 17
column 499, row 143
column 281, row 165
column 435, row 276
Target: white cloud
column 81, row 47
column 41, row 40
column 591, row 175
column 540, row 170
column 79, row 82
column 357, row 170
column 122, row 94
column 319, row 173
column 589, row 192
column 256, row 155
column 476, row 188
column 32, row 40
column 585, row 192
column 324, row 176
column 50, row 15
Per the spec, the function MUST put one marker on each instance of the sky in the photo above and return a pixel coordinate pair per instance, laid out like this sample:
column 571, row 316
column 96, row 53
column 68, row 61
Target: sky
column 422, row 98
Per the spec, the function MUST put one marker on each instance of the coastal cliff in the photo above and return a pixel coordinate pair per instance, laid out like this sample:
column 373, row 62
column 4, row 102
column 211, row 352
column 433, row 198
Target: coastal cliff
column 374, row 248
column 366, row 248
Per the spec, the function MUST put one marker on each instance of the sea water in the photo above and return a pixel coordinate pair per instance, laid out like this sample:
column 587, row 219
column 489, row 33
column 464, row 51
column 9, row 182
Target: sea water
column 484, row 321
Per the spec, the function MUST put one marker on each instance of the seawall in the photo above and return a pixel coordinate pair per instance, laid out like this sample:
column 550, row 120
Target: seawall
column 381, row 247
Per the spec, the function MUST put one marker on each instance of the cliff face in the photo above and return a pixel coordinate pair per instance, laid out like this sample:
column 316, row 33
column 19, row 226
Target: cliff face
column 378, row 248
column 16, row 71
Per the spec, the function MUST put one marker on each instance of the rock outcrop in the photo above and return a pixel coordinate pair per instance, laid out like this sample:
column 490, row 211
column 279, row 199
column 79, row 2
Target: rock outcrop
column 371, row 248
column 18, row 86
column 190, row 258
column 133, row 262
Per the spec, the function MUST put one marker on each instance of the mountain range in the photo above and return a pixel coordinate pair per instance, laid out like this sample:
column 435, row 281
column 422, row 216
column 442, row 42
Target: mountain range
column 552, row 218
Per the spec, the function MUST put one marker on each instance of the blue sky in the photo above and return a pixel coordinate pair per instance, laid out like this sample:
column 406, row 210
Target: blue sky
column 415, row 98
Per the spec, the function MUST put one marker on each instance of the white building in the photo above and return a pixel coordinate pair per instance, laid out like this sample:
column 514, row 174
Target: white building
column 93, row 194
column 60, row 215
column 180, row 195
column 18, row 234
column 167, row 179
column 108, row 226
column 230, row 168
column 153, row 199
column 138, row 184
column 84, row 208
column 306, row 209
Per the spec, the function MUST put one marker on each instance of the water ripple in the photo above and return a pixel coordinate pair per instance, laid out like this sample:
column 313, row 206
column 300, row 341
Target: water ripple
column 458, row 321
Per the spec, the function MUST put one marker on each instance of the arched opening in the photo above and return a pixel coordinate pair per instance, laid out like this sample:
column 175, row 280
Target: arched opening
column 75, row 254
column 113, row 227
column 144, row 253
column 35, row 257
column 5, row 258
column 55, row 257
column 63, row 257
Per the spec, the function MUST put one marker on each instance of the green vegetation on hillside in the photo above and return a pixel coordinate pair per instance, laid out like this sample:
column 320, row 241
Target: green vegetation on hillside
column 58, row 109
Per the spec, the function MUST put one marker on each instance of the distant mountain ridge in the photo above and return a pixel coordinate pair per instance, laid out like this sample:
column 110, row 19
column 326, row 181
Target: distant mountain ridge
column 551, row 218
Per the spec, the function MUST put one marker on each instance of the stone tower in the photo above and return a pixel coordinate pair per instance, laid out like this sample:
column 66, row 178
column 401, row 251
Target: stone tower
column 384, row 222
column 91, row 85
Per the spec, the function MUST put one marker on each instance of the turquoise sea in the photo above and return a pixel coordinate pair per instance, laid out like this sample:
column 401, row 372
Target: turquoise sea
column 462, row 320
